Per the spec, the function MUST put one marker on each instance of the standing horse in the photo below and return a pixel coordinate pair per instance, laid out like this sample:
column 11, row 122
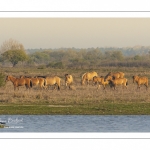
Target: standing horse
column 53, row 81
column 115, row 75
column 68, row 80
column 36, row 81
column 117, row 81
column 88, row 76
column 19, row 82
column 100, row 80
column 140, row 80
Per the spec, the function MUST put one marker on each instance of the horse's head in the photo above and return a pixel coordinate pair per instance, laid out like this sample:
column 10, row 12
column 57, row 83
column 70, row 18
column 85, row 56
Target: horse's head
column 108, row 78
column 135, row 78
column 94, row 78
column 66, row 75
column 8, row 78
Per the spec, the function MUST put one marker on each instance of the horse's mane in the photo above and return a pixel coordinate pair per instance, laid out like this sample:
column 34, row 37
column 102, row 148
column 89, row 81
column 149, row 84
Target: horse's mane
column 108, row 74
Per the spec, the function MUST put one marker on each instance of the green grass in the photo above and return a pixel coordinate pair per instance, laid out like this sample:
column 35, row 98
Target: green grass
column 81, row 109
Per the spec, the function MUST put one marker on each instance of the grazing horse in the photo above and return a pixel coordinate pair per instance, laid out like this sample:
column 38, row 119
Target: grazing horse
column 115, row 75
column 88, row 76
column 117, row 81
column 20, row 82
column 100, row 80
column 36, row 81
column 53, row 81
column 140, row 80
column 68, row 80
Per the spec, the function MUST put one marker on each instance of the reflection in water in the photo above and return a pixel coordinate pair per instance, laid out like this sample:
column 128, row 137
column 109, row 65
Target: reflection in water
column 75, row 123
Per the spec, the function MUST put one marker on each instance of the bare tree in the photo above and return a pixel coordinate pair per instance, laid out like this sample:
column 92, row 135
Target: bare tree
column 11, row 44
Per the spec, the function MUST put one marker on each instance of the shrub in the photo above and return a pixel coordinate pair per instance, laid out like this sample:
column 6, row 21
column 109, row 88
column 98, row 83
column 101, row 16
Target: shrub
column 41, row 67
column 58, row 65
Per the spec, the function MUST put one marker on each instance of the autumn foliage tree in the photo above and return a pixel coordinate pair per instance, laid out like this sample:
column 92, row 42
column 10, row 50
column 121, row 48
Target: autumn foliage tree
column 13, row 51
column 11, row 44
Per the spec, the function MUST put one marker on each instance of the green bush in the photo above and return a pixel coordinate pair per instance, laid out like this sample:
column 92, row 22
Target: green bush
column 41, row 67
column 58, row 65
column 2, row 79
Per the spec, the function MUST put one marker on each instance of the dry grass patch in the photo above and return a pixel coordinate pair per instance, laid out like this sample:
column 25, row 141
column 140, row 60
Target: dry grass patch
column 78, row 95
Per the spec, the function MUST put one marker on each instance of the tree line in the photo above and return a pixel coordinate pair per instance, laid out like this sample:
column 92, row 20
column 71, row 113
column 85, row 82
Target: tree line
column 13, row 53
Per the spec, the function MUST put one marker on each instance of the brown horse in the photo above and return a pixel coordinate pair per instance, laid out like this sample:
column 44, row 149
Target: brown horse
column 53, row 81
column 36, row 81
column 19, row 82
column 88, row 76
column 140, row 80
column 117, row 81
column 115, row 75
column 100, row 81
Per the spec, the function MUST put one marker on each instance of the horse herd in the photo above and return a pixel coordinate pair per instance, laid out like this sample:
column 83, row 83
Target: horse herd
column 111, row 79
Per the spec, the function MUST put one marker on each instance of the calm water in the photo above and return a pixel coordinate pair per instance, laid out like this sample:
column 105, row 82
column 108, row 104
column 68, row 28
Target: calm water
column 75, row 123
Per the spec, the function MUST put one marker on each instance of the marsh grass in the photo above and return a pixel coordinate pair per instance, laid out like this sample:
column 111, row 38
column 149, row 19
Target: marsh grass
column 77, row 100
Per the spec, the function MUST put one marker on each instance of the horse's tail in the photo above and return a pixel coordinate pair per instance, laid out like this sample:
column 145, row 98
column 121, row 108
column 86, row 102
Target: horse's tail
column 58, row 83
column 44, row 82
column 83, row 78
column 30, row 83
column 83, row 75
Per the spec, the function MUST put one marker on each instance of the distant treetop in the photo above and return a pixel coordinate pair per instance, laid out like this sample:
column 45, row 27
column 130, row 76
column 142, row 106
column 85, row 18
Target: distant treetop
column 11, row 44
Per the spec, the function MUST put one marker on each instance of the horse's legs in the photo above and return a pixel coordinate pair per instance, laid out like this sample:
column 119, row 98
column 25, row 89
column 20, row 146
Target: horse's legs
column 59, row 86
column 98, row 86
column 146, row 86
column 54, row 87
column 42, row 87
column 87, row 82
column 94, row 83
column 139, row 86
column 104, row 86
column 123, row 86
column 46, row 87
column 26, row 86
column 66, row 84
column 16, row 87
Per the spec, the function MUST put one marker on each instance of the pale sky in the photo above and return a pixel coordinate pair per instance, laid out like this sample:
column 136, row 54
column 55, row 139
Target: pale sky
column 76, row 32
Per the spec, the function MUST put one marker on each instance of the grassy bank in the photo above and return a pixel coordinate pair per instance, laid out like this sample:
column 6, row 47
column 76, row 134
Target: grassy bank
column 100, row 109
column 80, row 100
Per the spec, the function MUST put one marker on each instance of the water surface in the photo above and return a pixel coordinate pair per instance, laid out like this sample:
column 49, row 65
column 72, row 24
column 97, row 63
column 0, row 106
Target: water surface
column 75, row 123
